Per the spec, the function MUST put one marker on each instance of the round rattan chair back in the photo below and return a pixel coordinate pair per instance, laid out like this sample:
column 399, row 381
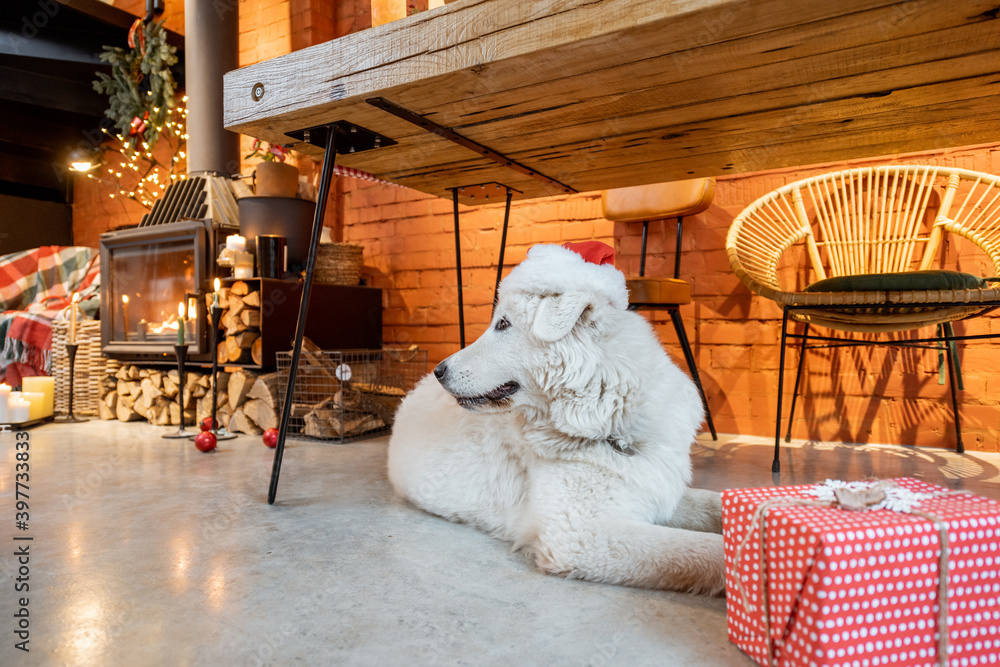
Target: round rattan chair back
column 872, row 220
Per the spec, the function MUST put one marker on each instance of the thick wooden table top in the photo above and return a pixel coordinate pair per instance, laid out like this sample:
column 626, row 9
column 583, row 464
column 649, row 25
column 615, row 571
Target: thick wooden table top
column 608, row 93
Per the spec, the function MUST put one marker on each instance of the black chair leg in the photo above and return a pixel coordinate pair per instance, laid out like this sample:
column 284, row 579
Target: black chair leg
column 776, row 464
column 675, row 315
column 798, row 379
column 953, row 381
column 949, row 330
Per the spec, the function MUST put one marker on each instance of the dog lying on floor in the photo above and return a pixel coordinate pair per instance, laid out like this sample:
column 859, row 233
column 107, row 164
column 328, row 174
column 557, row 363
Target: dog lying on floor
column 566, row 430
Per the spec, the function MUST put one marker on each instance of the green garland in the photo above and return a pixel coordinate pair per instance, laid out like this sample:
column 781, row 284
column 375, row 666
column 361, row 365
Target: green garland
column 141, row 87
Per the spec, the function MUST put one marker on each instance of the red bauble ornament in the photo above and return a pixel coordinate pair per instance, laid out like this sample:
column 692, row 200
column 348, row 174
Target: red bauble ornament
column 271, row 437
column 206, row 424
column 205, row 441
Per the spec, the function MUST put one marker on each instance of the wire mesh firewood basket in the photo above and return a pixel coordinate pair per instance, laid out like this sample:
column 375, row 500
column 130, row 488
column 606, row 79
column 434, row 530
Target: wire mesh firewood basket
column 342, row 396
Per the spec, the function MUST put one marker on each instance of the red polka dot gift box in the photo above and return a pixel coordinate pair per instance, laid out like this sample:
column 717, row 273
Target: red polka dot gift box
column 849, row 573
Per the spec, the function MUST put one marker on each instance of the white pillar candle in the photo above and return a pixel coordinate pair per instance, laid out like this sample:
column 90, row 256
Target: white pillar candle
column 20, row 410
column 4, row 399
column 236, row 243
column 46, row 386
column 36, row 401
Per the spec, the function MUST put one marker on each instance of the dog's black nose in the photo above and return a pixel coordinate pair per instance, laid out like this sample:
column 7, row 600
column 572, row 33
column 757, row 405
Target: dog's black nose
column 440, row 371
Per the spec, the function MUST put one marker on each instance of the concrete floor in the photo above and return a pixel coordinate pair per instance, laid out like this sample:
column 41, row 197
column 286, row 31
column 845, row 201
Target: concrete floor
column 148, row 552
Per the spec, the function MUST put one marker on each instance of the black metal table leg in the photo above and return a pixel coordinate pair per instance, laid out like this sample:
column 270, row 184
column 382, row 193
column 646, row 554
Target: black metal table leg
column 458, row 272
column 503, row 247
column 329, row 158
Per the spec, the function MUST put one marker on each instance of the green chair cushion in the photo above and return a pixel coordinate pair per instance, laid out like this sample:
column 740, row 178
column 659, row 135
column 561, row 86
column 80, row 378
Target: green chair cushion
column 909, row 280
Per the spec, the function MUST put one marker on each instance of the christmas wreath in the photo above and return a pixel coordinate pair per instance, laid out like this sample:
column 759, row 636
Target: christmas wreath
column 141, row 86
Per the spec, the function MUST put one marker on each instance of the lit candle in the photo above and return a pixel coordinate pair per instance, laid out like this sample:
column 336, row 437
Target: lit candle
column 20, row 410
column 74, row 304
column 125, row 314
column 215, row 294
column 44, row 385
column 236, row 243
column 180, row 323
column 4, row 409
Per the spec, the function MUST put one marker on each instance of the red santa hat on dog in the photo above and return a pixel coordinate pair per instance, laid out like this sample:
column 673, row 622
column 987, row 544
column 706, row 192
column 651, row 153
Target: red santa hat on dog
column 552, row 269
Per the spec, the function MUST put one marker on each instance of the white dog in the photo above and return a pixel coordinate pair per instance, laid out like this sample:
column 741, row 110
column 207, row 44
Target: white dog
column 566, row 430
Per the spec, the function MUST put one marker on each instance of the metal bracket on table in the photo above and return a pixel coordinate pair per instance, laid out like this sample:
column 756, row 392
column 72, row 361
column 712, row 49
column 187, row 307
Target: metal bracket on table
column 350, row 138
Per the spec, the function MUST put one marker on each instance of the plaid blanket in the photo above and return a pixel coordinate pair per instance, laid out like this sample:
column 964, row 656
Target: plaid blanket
column 35, row 288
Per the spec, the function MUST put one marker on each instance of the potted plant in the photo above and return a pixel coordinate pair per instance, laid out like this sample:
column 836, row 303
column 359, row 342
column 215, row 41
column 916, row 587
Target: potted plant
column 273, row 177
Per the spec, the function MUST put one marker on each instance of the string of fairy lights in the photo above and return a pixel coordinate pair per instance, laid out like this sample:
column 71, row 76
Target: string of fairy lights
column 139, row 175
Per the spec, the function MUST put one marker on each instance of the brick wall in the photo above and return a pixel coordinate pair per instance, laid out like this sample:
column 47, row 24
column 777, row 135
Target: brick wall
column 408, row 240
column 409, row 245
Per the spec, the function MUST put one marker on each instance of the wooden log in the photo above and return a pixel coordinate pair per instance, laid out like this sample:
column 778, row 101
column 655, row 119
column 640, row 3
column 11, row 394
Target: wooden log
column 239, row 423
column 111, row 400
column 223, row 352
column 236, row 327
column 238, row 346
column 240, row 384
column 252, row 300
column 224, row 413
column 251, row 317
column 133, row 373
column 236, row 305
column 142, row 405
column 333, row 424
column 122, row 387
column 105, row 412
column 150, row 390
column 257, row 351
column 122, row 373
column 204, row 405
column 124, row 410
column 239, row 288
column 159, row 412
column 260, row 413
column 266, row 389
column 134, row 388
column 169, row 386
column 108, row 384
column 143, row 373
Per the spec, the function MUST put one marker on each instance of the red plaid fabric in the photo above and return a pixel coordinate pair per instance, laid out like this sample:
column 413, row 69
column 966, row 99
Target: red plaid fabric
column 35, row 288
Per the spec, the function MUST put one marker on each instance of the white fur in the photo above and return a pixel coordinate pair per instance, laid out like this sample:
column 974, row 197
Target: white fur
column 537, row 468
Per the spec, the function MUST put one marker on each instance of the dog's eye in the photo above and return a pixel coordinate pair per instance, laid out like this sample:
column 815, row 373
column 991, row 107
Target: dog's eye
column 502, row 324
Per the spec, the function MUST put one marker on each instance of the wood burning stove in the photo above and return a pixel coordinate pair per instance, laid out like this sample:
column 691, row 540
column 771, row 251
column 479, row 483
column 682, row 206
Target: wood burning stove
column 146, row 273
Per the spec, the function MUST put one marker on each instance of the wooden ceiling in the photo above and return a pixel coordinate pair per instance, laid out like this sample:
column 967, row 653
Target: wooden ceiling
column 623, row 92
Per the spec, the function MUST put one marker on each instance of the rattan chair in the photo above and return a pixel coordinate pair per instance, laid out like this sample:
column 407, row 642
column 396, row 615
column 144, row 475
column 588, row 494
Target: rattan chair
column 873, row 241
column 658, row 201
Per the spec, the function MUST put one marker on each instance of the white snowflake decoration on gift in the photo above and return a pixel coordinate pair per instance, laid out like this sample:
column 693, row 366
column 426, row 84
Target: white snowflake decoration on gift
column 897, row 498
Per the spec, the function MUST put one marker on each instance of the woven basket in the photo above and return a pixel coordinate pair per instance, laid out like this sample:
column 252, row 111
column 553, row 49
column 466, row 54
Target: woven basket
column 89, row 366
column 338, row 264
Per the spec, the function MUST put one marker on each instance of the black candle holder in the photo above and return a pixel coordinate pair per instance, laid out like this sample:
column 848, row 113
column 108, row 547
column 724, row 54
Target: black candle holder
column 181, row 352
column 70, row 418
column 220, row 432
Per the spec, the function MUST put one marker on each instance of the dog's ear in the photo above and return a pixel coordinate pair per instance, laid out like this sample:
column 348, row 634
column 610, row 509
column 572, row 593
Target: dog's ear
column 558, row 314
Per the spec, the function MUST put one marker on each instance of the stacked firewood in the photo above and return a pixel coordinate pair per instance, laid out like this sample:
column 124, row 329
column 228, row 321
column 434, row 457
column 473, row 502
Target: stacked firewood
column 247, row 402
column 240, row 324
